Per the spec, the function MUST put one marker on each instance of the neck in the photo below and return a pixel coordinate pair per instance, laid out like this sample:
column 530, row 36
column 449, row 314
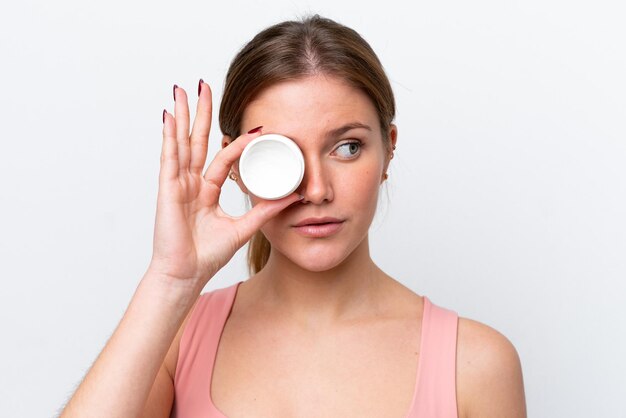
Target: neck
column 318, row 298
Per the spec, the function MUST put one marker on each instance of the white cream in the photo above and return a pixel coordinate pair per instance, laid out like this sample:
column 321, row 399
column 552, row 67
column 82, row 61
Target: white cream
column 271, row 166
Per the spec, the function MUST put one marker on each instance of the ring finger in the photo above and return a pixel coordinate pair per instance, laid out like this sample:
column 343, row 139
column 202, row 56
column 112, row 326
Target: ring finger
column 181, row 113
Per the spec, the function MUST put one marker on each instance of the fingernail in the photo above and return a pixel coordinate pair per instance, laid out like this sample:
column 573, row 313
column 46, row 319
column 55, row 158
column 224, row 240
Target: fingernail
column 300, row 197
column 164, row 112
column 200, row 86
column 255, row 130
column 174, row 91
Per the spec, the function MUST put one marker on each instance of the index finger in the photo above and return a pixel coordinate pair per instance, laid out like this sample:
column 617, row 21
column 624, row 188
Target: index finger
column 217, row 171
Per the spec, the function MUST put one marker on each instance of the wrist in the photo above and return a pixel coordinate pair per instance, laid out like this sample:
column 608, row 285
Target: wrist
column 178, row 274
column 170, row 289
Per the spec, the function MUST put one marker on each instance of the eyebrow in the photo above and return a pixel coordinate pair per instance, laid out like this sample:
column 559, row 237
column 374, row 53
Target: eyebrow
column 347, row 127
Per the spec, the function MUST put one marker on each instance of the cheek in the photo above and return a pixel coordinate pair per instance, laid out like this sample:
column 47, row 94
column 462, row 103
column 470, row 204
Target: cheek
column 361, row 194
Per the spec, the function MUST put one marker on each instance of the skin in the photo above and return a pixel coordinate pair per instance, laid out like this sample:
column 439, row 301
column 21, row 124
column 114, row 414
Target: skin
column 313, row 288
column 348, row 332
column 317, row 280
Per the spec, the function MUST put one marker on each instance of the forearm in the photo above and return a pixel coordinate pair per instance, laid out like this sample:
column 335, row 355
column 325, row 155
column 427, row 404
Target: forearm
column 119, row 382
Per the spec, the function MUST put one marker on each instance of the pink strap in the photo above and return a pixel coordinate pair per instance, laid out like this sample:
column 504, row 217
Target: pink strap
column 197, row 352
column 435, row 395
column 435, row 389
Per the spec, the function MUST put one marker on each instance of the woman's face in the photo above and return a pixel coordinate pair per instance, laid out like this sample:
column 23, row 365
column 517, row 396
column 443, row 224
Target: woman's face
column 337, row 128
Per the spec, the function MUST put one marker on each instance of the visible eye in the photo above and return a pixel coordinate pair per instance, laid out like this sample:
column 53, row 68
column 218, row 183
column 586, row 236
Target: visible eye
column 349, row 149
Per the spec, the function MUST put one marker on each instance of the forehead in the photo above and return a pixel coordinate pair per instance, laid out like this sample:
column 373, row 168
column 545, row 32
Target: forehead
column 312, row 104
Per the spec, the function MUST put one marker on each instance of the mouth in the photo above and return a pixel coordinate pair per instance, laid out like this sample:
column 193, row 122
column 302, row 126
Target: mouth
column 319, row 227
column 318, row 221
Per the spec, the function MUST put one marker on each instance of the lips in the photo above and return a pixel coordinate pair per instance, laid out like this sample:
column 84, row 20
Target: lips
column 319, row 227
column 318, row 221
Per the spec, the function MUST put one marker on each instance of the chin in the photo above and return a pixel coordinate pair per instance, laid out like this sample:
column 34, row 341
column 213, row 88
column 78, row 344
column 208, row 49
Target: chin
column 318, row 259
column 319, row 254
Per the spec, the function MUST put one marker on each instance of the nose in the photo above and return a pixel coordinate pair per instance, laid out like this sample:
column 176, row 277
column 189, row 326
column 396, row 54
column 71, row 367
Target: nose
column 316, row 184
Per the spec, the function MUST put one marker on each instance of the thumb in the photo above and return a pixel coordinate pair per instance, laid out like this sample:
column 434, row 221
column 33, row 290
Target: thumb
column 262, row 212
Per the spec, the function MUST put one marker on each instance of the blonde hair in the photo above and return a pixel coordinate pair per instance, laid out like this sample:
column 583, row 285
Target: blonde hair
column 295, row 49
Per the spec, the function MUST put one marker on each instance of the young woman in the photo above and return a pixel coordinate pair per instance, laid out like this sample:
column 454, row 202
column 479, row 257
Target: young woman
column 318, row 330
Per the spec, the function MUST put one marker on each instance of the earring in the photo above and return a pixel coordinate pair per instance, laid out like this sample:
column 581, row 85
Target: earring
column 233, row 176
column 385, row 176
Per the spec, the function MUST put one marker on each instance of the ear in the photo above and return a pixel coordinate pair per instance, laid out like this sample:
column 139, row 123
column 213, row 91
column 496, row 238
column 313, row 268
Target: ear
column 235, row 167
column 226, row 139
column 393, row 138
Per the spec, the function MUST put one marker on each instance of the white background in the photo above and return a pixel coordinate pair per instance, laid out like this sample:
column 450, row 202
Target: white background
column 507, row 196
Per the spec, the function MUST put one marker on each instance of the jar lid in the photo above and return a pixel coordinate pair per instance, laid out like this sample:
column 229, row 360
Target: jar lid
column 271, row 166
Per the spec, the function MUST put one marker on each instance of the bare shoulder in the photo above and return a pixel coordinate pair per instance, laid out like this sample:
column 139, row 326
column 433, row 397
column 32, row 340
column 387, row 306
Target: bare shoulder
column 489, row 373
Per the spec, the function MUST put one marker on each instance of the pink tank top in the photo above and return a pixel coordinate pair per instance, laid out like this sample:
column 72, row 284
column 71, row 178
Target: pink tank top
column 435, row 388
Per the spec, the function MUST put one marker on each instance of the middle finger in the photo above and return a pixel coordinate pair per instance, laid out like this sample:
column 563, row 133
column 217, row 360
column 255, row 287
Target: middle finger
column 201, row 127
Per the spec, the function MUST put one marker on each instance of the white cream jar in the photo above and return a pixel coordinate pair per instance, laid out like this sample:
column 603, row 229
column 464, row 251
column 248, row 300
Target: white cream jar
column 271, row 166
